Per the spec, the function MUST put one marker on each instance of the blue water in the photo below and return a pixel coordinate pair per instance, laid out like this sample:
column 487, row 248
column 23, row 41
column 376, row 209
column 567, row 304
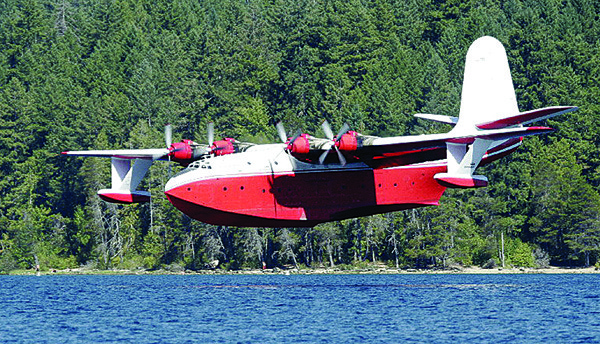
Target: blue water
column 300, row 308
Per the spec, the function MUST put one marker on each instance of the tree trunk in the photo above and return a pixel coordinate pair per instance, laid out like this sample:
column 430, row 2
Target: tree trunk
column 331, row 259
column 502, row 257
column 587, row 259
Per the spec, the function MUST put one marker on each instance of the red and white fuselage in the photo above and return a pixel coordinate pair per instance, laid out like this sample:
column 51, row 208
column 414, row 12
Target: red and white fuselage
column 264, row 186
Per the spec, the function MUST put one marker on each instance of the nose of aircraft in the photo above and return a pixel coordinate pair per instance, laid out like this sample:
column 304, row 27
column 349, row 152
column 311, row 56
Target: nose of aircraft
column 174, row 190
column 174, row 186
column 170, row 185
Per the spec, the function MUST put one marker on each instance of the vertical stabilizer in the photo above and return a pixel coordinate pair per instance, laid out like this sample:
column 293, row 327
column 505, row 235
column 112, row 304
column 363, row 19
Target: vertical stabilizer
column 488, row 93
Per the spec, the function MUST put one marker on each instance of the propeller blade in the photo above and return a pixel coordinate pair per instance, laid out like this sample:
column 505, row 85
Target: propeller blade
column 281, row 132
column 334, row 139
column 340, row 156
column 323, row 156
column 168, row 135
column 162, row 155
column 297, row 135
column 327, row 129
column 211, row 133
column 342, row 131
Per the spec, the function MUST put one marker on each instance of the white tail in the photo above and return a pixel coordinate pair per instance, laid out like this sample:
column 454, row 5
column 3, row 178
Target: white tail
column 488, row 102
column 487, row 93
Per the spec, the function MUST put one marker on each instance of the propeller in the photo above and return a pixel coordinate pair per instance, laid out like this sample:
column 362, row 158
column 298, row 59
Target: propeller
column 210, row 137
column 168, row 135
column 334, row 140
column 172, row 149
column 283, row 136
column 210, row 133
column 281, row 131
column 169, row 144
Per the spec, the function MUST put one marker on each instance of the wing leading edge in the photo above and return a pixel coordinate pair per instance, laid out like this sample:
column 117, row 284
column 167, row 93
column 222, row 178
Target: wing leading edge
column 148, row 154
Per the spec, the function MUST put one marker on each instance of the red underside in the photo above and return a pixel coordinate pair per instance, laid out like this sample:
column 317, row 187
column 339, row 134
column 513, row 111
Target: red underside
column 306, row 199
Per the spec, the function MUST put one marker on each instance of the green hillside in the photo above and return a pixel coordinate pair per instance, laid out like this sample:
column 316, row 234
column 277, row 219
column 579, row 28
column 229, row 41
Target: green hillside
column 100, row 74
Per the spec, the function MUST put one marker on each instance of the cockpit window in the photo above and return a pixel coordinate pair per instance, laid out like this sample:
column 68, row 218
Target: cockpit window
column 194, row 166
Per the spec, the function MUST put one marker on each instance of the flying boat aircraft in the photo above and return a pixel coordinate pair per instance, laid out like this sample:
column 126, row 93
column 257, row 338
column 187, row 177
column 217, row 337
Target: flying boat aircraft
column 306, row 180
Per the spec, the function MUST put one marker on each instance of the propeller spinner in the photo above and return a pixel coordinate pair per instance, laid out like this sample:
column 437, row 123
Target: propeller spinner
column 298, row 144
column 335, row 141
column 183, row 152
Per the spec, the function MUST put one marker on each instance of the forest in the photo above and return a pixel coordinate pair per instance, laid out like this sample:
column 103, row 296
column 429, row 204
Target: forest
column 110, row 74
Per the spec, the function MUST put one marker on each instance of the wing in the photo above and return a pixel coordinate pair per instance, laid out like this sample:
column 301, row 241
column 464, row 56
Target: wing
column 402, row 150
column 503, row 133
column 148, row 154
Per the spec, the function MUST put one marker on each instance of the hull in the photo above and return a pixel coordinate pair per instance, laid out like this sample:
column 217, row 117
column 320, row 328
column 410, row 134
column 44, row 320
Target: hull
column 281, row 192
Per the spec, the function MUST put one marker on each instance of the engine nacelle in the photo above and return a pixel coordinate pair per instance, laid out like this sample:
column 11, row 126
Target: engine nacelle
column 224, row 146
column 350, row 141
column 301, row 145
column 181, row 152
column 186, row 152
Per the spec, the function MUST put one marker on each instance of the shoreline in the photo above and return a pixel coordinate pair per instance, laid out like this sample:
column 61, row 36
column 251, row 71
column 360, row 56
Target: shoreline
column 376, row 270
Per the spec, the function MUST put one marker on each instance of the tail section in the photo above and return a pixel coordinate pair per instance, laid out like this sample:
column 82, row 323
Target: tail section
column 488, row 102
column 487, row 95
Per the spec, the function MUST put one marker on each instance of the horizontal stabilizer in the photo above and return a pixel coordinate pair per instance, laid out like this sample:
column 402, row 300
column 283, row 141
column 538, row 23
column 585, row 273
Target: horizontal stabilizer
column 503, row 134
column 438, row 118
column 527, row 117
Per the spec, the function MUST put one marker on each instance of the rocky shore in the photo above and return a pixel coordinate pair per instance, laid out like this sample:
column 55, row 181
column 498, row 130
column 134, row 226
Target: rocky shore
column 315, row 271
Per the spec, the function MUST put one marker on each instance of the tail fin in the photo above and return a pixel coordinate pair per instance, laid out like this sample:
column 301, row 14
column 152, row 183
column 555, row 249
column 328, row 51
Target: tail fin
column 487, row 94
column 488, row 102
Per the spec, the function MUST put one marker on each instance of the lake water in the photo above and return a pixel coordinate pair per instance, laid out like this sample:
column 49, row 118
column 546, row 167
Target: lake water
column 300, row 308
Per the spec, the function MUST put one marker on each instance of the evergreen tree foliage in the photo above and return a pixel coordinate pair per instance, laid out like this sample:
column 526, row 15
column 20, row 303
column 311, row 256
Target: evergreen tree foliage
column 100, row 74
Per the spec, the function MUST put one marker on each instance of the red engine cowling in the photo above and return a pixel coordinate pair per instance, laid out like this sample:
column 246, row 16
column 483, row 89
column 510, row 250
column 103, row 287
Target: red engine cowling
column 300, row 145
column 223, row 147
column 348, row 142
column 182, row 152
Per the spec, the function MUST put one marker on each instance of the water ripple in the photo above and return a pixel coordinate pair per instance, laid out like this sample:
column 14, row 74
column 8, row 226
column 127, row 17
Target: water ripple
column 300, row 309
